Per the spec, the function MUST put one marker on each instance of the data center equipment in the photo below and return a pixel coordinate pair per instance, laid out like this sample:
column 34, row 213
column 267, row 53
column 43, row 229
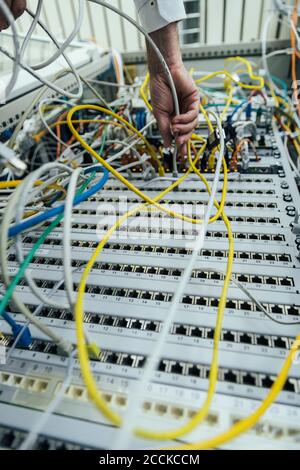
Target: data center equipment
column 147, row 301
column 128, row 294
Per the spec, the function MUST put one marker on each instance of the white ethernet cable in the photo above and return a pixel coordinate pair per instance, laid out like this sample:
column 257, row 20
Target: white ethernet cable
column 114, row 85
column 19, row 62
column 134, row 404
column 61, row 51
column 28, row 182
column 36, row 314
column 10, row 19
column 53, row 405
column 42, row 118
column 67, row 236
column 10, row 208
column 62, row 47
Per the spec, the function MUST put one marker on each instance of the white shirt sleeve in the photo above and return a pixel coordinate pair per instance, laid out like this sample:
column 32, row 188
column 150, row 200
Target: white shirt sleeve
column 156, row 14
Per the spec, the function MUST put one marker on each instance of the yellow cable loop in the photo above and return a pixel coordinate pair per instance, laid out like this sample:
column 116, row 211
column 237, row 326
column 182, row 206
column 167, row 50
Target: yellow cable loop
column 247, row 423
column 233, row 79
column 129, row 126
column 228, row 103
column 87, row 375
column 96, row 395
column 214, row 368
column 204, row 410
column 246, row 62
column 118, row 175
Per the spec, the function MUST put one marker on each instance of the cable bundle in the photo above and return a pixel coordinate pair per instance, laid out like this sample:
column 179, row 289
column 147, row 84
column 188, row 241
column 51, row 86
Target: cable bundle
column 80, row 135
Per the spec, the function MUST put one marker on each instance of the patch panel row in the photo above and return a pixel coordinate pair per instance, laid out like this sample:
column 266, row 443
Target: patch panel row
column 115, row 246
column 168, row 272
column 31, row 384
column 234, row 304
column 258, row 192
column 248, row 236
column 155, row 296
column 197, row 274
column 153, row 407
column 112, row 246
column 271, row 430
column 257, row 256
column 171, row 203
column 226, row 375
column 247, row 278
column 169, row 366
column 143, row 228
column 232, row 178
column 178, row 329
column 12, row 439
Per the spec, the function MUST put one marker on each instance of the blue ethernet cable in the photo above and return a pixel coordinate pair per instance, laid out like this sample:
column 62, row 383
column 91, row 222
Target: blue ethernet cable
column 25, row 339
column 29, row 223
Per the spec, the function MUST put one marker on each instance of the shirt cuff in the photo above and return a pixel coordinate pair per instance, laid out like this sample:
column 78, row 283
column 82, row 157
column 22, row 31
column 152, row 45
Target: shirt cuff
column 156, row 14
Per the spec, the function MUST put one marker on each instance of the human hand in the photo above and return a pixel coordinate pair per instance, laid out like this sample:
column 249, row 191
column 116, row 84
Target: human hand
column 182, row 126
column 17, row 7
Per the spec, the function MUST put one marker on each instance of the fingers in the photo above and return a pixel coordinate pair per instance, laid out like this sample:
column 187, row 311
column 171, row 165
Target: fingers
column 185, row 128
column 184, row 132
column 184, row 124
column 186, row 118
column 3, row 21
column 182, row 141
column 18, row 7
column 163, row 122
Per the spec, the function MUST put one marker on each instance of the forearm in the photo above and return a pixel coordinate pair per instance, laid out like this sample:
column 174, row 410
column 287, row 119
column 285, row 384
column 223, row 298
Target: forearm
column 167, row 40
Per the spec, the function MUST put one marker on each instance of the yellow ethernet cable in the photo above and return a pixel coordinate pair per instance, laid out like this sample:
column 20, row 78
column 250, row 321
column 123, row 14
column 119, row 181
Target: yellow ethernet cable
column 144, row 92
column 96, row 395
column 202, row 413
column 87, row 375
column 247, row 423
column 232, row 79
column 118, row 175
column 256, row 78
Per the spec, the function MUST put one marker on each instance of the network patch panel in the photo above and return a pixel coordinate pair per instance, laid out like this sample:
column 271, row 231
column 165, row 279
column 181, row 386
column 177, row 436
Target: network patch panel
column 127, row 295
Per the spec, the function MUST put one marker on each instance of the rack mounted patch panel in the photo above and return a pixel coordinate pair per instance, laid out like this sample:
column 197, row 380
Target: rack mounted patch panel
column 127, row 296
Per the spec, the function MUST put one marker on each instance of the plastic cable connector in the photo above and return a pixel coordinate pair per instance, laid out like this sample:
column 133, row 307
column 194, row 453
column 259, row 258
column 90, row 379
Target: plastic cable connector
column 94, row 350
column 10, row 157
